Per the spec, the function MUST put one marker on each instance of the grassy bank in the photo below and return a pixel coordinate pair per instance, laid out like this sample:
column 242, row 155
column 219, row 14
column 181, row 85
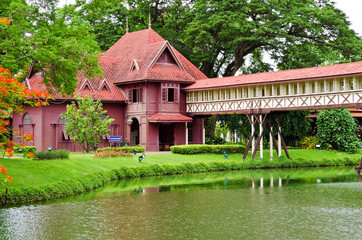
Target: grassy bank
column 42, row 180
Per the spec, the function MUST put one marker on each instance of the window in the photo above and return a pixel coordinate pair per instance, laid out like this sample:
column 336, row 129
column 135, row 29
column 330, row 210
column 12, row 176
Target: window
column 62, row 121
column 27, row 119
column 135, row 95
column 170, row 94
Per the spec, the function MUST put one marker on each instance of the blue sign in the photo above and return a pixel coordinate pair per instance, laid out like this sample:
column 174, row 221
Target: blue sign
column 115, row 138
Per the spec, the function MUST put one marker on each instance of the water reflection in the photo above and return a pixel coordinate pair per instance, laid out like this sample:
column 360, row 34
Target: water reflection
column 228, row 180
column 283, row 204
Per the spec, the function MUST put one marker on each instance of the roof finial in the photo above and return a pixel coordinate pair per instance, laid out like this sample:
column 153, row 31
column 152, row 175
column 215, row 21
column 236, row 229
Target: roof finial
column 149, row 17
column 127, row 25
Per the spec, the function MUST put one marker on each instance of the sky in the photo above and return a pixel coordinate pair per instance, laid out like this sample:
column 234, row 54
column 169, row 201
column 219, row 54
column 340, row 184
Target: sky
column 352, row 8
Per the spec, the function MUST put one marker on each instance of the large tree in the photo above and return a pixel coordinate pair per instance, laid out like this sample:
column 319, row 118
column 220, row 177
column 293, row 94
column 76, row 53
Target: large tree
column 87, row 122
column 47, row 39
column 219, row 36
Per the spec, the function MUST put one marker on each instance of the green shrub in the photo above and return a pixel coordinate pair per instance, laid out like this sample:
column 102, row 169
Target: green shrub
column 337, row 128
column 139, row 149
column 30, row 149
column 308, row 142
column 57, row 154
column 111, row 153
column 204, row 148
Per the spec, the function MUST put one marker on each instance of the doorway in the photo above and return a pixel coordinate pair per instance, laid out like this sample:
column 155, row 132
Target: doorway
column 135, row 129
column 166, row 136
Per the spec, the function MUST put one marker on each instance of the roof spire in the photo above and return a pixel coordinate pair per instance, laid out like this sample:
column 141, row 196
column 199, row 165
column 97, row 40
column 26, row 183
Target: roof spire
column 127, row 30
column 149, row 17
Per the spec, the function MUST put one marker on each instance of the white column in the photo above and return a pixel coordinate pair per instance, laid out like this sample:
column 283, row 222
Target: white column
column 280, row 182
column 186, row 134
column 271, row 143
column 261, row 140
column 326, row 85
column 355, row 83
column 346, row 84
column 317, row 86
column 252, row 131
column 336, row 86
column 271, row 180
column 279, row 143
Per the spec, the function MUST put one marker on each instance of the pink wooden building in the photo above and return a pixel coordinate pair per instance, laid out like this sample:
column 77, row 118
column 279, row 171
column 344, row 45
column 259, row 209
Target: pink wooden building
column 142, row 89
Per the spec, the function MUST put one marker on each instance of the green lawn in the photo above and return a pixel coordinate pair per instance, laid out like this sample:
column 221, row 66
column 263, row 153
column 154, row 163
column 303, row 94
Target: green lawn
column 30, row 173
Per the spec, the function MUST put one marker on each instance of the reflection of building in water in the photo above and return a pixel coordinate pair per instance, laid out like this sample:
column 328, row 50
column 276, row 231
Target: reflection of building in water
column 151, row 189
column 260, row 183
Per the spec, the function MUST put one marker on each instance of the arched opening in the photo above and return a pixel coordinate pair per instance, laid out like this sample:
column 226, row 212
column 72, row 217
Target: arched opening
column 135, row 129
column 26, row 119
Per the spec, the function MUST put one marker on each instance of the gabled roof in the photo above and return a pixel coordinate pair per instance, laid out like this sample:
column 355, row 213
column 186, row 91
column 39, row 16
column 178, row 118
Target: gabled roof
column 146, row 46
column 313, row 73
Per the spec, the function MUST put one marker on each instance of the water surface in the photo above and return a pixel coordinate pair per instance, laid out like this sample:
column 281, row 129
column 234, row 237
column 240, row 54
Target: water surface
column 322, row 203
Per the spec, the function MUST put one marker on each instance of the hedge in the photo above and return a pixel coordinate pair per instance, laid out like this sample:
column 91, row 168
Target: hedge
column 139, row 149
column 205, row 148
column 57, row 154
column 88, row 182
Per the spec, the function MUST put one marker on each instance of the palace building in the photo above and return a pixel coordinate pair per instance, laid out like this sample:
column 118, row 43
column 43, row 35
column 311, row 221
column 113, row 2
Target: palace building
column 158, row 98
column 142, row 89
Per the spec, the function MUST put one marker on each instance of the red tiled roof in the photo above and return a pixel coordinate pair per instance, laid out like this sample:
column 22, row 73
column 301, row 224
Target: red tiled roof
column 331, row 71
column 144, row 46
column 109, row 66
column 160, row 117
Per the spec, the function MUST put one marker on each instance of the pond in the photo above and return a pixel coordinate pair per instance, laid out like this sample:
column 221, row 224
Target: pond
column 320, row 203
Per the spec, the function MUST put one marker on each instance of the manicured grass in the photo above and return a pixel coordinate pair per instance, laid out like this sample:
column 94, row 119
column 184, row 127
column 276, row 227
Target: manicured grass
column 27, row 172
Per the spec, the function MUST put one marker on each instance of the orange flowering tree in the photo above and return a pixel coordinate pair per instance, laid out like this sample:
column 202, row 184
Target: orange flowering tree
column 14, row 96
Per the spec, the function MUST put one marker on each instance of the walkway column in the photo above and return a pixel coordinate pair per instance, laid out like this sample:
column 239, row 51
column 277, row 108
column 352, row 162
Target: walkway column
column 252, row 131
column 271, row 143
column 261, row 140
column 279, row 143
column 186, row 134
column 203, row 131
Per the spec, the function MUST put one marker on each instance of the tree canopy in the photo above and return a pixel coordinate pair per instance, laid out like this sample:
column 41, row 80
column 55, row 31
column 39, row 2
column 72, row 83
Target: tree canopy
column 220, row 36
column 87, row 122
column 45, row 38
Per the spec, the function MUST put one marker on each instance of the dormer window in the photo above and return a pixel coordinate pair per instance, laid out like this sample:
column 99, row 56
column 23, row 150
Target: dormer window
column 134, row 66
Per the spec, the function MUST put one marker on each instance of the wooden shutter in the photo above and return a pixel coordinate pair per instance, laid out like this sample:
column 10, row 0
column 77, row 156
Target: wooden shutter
column 129, row 95
column 176, row 94
column 140, row 97
column 163, row 94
